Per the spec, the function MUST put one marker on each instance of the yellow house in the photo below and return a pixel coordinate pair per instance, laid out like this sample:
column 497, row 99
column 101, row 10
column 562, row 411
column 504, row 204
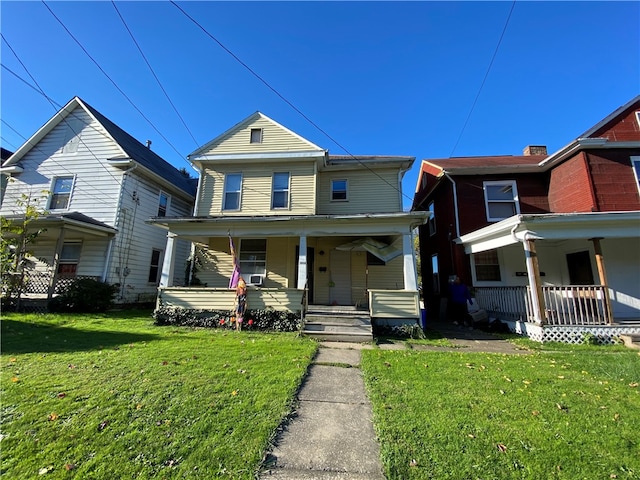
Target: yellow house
column 308, row 227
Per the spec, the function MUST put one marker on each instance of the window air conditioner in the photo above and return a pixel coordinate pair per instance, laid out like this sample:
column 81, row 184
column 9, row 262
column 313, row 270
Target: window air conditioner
column 256, row 280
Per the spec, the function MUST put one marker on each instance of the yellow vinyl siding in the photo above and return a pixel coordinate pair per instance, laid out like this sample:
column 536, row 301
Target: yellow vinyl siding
column 256, row 189
column 367, row 192
column 287, row 300
column 274, row 139
column 217, row 263
column 278, row 253
column 389, row 276
column 394, row 304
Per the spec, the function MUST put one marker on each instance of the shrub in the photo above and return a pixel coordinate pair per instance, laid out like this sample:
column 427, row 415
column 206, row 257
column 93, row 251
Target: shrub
column 267, row 320
column 405, row 330
column 84, row 295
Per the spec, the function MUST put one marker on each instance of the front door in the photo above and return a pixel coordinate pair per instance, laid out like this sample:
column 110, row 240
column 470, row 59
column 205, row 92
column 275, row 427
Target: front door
column 340, row 286
column 579, row 265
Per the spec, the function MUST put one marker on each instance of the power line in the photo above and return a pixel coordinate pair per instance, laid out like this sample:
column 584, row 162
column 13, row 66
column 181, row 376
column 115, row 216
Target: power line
column 296, row 109
column 114, row 83
column 473, row 105
column 154, row 73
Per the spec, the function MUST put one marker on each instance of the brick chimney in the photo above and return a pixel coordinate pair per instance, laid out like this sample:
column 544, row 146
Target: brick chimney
column 534, row 150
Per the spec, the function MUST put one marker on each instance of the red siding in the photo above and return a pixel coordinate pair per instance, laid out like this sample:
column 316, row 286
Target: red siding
column 622, row 128
column 614, row 183
column 570, row 187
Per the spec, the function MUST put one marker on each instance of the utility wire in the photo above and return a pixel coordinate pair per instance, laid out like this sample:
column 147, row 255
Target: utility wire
column 154, row 73
column 255, row 74
column 473, row 105
column 114, row 83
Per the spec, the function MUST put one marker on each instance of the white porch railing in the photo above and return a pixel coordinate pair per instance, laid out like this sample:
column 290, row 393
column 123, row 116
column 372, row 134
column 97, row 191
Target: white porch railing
column 564, row 304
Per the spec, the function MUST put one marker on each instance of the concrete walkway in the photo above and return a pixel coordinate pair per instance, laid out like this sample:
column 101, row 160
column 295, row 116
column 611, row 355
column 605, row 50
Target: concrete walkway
column 331, row 436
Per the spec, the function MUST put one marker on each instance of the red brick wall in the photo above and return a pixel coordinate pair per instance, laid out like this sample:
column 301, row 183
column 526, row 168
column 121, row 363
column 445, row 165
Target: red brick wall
column 614, row 183
column 570, row 187
column 532, row 192
column 623, row 128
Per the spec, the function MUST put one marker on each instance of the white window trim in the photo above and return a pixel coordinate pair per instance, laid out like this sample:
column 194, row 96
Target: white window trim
column 638, row 117
column 224, row 193
column 346, row 183
column 516, row 198
column 166, row 212
column 489, row 283
column 51, row 187
column 634, row 161
column 273, row 191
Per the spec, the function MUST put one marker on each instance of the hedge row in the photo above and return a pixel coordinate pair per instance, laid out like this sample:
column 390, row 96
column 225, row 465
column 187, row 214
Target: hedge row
column 265, row 320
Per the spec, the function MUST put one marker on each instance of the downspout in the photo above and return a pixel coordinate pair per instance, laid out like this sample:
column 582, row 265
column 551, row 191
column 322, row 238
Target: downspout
column 533, row 274
column 455, row 203
column 116, row 219
column 192, row 263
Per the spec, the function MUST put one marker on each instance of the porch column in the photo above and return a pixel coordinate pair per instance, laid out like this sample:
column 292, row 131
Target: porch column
column 410, row 278
column 54, row 266
column 533, row 272
column 302, row 263
column 602, row 273
column 166, row 277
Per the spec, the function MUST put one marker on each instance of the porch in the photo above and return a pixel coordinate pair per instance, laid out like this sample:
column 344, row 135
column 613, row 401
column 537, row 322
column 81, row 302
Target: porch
column 570, row 311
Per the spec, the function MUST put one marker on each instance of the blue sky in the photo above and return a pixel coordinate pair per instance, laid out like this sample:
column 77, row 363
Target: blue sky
column 387, row 78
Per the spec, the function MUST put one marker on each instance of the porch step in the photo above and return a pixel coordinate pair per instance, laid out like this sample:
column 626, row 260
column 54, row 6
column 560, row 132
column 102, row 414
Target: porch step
column 631, row 341
column 338, row 324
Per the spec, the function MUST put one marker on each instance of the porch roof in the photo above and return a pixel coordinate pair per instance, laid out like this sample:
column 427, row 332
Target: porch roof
column 370, row 224
column 72, row 221
column 552, row 226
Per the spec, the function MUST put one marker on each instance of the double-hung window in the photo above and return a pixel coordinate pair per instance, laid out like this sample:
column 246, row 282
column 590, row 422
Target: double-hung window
column 61, row 193
column 163, row 204
column 69, row 259
column 280, row 190
column 432, row 219
column 501, row 200
column 253, row 259
column 487, row 266
column 232, row 191
column 339, row 190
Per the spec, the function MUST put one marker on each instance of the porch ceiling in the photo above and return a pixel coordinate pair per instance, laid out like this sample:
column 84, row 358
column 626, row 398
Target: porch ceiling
column 563, row 226
column 286, row 226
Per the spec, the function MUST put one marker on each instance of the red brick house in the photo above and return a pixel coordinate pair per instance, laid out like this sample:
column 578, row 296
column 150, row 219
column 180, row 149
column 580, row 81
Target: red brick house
column 548, row 242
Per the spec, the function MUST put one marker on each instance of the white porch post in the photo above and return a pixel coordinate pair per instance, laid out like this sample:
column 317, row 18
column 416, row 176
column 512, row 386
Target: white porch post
column 168, row 264
column 410, row 278
column 302, row 263
column 533, row 273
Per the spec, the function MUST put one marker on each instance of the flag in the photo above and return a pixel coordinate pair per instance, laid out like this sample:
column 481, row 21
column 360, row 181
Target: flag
column 235, row 276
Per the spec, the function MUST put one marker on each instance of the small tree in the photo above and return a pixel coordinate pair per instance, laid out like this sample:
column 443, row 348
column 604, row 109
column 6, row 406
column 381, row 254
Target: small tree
column 16, row 237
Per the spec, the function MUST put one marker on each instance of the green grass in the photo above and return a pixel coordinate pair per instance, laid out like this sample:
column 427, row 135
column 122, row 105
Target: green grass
column 455, row 415
column 113, row 396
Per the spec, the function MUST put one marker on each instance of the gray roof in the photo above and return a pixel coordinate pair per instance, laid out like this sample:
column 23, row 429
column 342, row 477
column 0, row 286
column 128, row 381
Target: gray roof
column 144, row 155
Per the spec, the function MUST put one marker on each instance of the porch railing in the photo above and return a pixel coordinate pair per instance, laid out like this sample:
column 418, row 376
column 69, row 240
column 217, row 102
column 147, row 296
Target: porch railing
column 37, row 283
column 564, row 304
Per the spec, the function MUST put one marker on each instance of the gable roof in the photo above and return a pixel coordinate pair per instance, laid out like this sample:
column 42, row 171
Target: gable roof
column 634, row 103
column 243, row 124
column 131, row 147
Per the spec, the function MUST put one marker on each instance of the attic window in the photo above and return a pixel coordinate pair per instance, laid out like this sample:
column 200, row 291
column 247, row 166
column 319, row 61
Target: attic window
column 256, row 135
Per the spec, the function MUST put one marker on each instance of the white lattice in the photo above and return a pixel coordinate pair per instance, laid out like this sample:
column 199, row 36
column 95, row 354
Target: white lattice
column 606, row 334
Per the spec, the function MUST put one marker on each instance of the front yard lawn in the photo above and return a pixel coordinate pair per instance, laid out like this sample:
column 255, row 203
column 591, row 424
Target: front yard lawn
column 113, row 396
column 572, row 414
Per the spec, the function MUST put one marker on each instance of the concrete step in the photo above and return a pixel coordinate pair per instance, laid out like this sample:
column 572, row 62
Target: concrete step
column 338, row 319
column 631, row 341
column 335, row 327
column 349, row 337
column 338, row 324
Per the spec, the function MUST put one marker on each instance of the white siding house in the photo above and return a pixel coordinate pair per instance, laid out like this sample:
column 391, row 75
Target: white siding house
column 98, row 185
